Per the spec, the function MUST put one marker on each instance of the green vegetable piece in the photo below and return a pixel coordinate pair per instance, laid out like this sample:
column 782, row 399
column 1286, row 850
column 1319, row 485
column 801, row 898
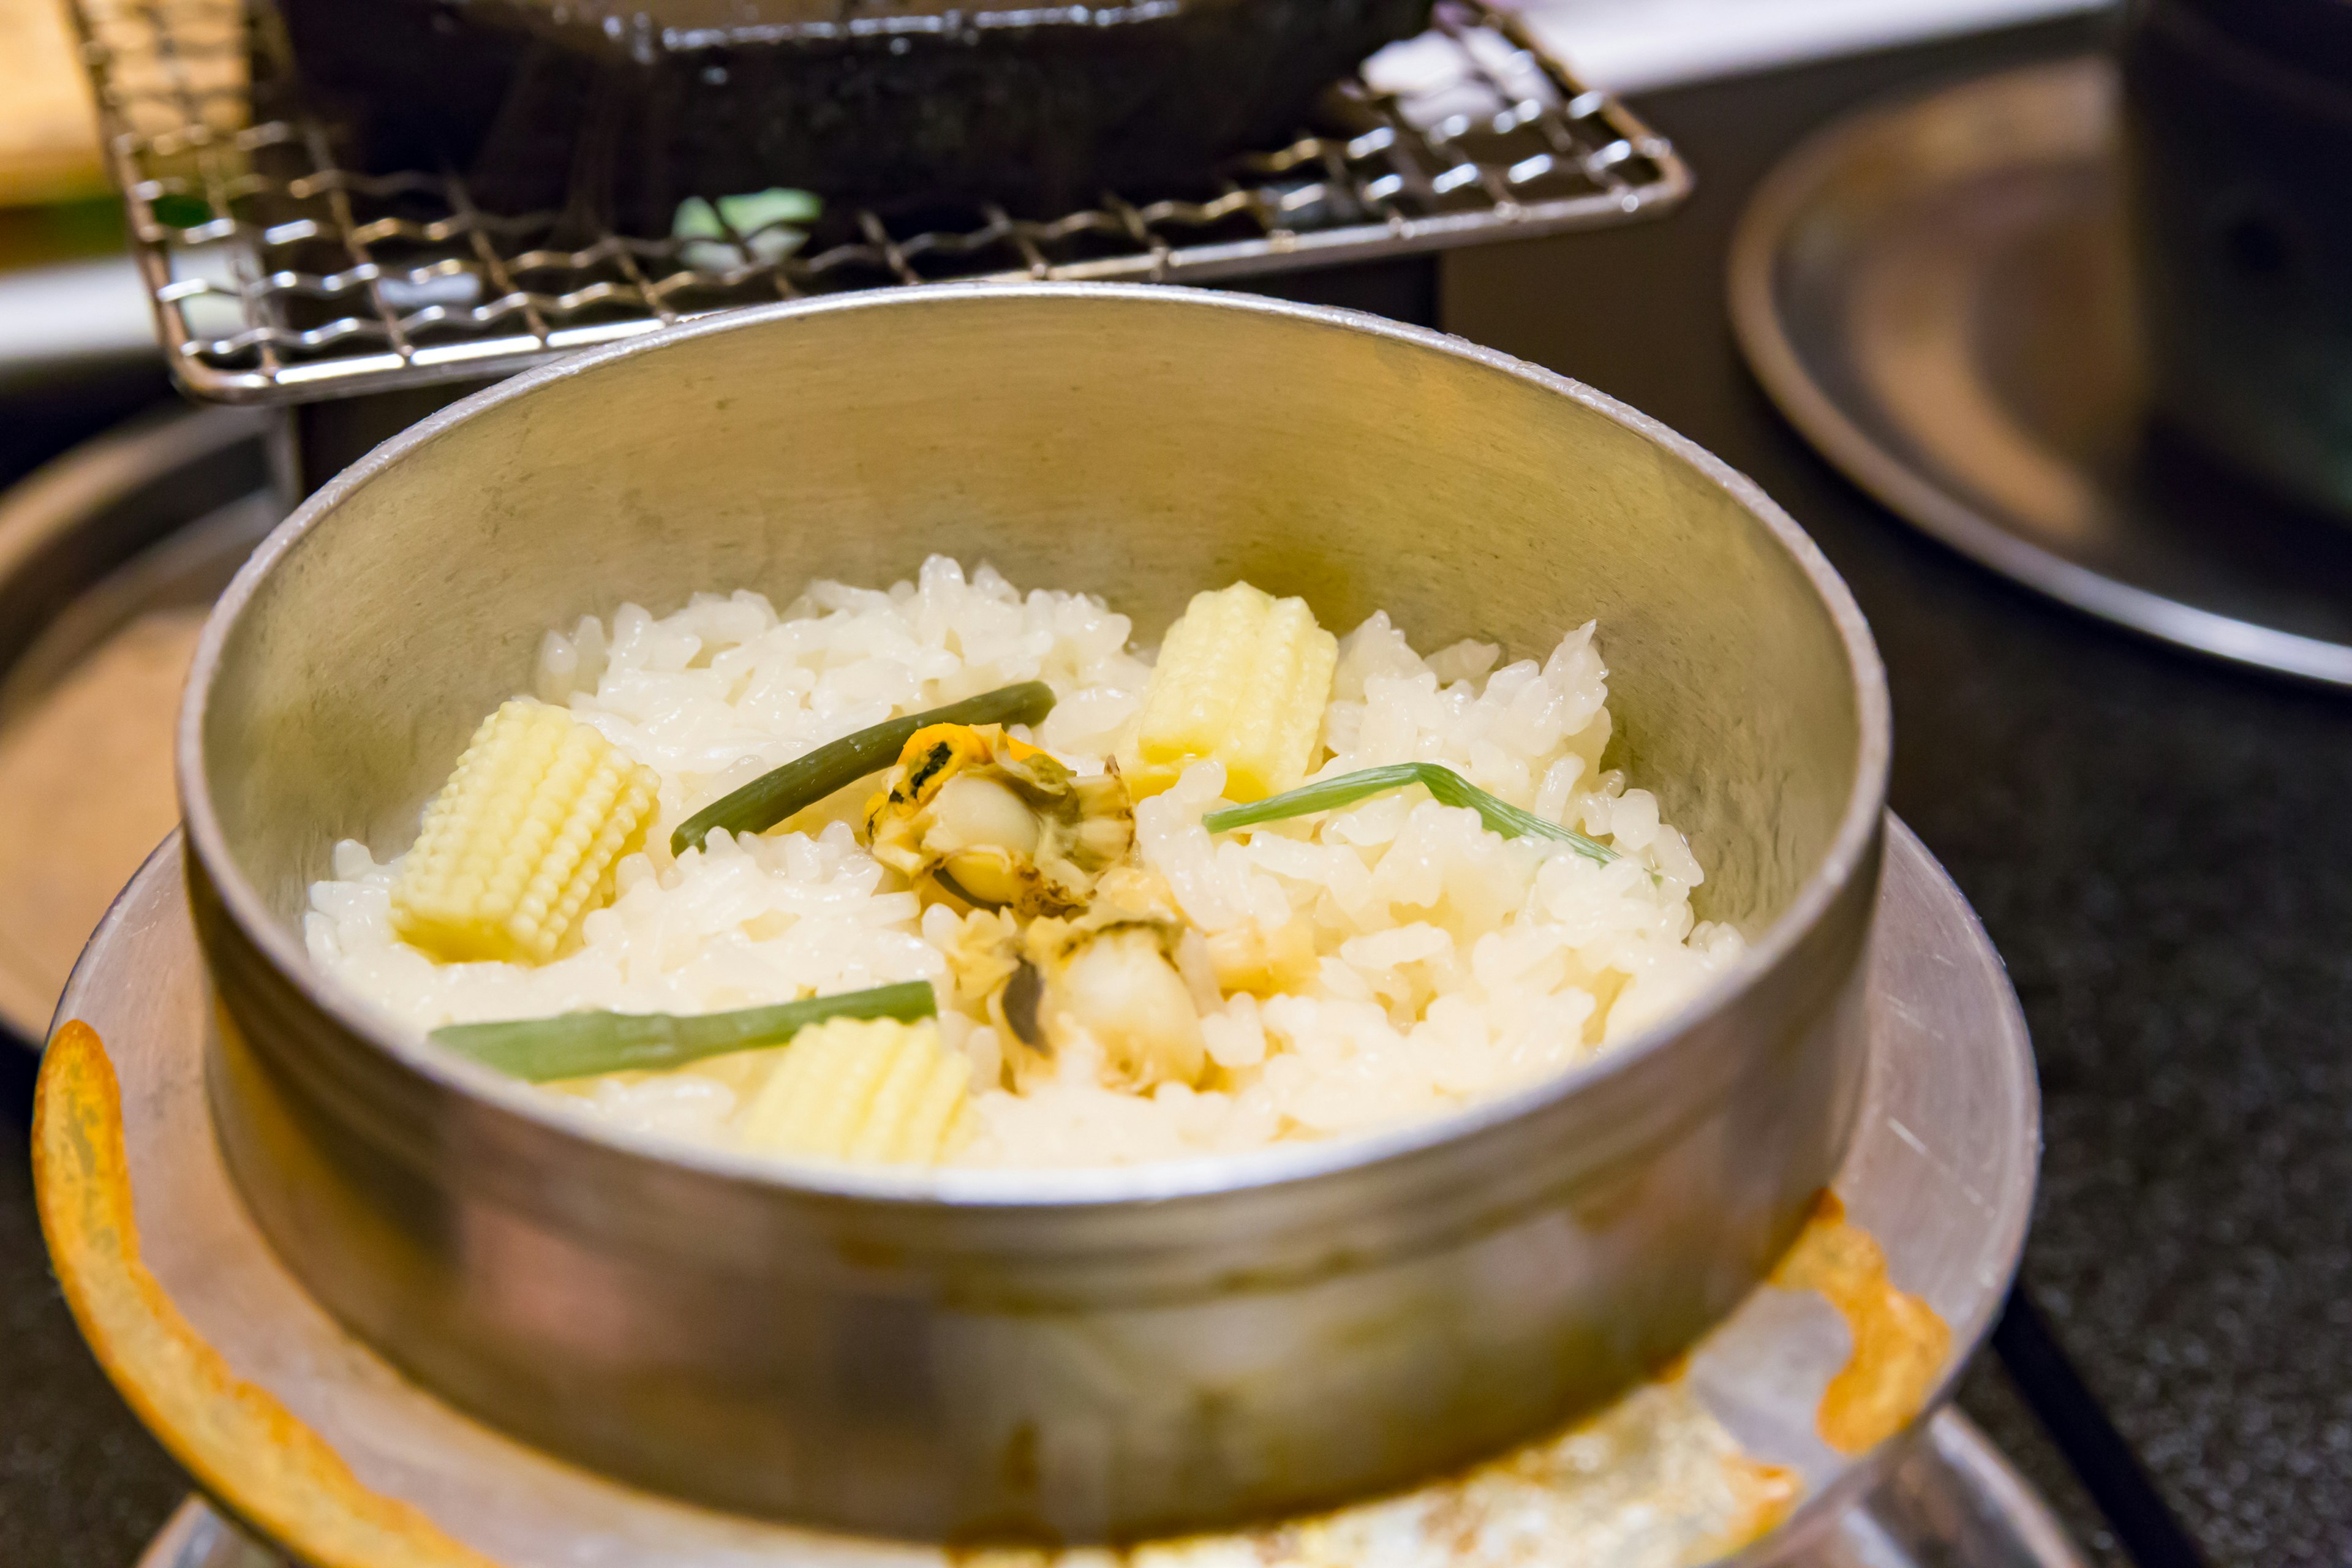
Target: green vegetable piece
column 757, row 209
column 581, row 1045
column 1443, row 784
column 747, row 229
column 178, row 209
column 696, row 220
column 762, row 220
column 805, row 780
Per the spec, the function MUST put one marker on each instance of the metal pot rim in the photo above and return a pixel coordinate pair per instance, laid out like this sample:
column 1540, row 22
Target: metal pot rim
column 1851, row 852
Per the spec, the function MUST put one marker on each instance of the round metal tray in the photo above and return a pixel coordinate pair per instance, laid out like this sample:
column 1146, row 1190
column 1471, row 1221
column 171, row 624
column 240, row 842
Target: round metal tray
column 1936, row 293
column 1941, row 1173
column 1954, row 1502
column 108, row 557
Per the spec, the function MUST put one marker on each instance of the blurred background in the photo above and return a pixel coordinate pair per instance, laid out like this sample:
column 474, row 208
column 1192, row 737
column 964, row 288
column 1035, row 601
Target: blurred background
column 2033, row 312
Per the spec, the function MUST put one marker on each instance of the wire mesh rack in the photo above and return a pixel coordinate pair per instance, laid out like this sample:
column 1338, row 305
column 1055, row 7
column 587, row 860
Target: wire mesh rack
column 278, row 277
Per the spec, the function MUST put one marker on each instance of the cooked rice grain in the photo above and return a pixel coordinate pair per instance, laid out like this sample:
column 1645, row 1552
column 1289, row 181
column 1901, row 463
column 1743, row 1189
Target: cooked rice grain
column 1449, row 962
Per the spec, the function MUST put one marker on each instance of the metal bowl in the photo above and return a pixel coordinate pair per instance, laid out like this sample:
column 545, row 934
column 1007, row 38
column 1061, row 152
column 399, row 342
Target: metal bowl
column 1009, row 1354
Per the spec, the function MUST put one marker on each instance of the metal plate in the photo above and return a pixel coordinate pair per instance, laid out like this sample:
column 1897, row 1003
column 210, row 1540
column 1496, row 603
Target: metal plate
column 1954, row 1502
column 1938, row 294
column 1941, row 1173
column 108, row 558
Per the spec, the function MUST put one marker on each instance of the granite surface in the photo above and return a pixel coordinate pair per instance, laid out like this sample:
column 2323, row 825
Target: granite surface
column 2157, row 844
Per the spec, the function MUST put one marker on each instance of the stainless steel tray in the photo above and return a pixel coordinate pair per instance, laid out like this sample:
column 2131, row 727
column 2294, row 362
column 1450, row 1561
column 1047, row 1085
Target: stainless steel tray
column 279, row 277
column 1936, row 293
column 1941, row 1173
column 1954, row 1502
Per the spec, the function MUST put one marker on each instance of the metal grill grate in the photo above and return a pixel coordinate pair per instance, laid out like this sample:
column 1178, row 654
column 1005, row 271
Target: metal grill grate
column 278, row 277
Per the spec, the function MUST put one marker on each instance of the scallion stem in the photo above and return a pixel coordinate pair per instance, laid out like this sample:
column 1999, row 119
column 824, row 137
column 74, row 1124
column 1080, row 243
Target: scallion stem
column 1445, row 785
column 581, row 1045
column 805, row 780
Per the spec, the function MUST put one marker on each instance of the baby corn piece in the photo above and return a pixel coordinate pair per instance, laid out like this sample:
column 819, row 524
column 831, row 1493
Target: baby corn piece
column 873, row 1090
column 521, row 839
column 1243, row 677
column 1263, row 963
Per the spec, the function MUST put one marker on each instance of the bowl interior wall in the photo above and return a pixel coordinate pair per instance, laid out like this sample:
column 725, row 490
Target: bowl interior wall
column 1139, row 448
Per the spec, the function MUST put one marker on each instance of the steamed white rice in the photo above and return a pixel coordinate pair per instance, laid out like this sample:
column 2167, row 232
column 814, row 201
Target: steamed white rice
column 1453, row 963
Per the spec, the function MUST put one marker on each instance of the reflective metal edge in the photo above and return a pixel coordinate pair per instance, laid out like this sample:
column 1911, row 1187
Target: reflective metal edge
column 1761, row 240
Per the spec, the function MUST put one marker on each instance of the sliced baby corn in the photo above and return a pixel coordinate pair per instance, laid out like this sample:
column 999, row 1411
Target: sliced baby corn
column 1248, row 957
column 873, row 1091
column 521, row 842
column 1243, row 677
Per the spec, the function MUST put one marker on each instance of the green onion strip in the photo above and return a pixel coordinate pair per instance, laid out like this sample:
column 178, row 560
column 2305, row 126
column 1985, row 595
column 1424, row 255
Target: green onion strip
column 581, row 1045
column 805, row 780
column 1448, row 788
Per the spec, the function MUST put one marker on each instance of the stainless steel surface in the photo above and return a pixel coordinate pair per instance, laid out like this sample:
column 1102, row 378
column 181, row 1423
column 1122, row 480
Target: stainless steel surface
column 1935, row 292
column 141, row 523
column 1954, row 1502
column 1940, row 1170
column 195, row 1536
column 1083, row 1354
column 277, row 276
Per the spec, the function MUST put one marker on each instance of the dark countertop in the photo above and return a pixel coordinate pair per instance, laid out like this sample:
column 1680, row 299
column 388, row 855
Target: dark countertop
column 2156, row 843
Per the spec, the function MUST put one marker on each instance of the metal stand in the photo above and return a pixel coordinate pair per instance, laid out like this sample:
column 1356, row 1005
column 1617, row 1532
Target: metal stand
column 1954, row 1503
